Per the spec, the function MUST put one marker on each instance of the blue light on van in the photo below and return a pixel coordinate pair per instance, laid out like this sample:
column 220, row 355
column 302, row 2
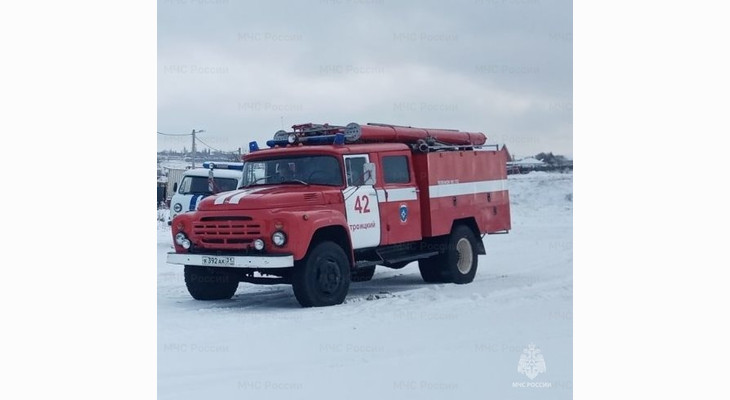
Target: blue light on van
column 223, row 165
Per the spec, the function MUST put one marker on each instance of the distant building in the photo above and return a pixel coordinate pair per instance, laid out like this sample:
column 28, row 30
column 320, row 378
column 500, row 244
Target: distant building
column 529, row 162
column 525, row 165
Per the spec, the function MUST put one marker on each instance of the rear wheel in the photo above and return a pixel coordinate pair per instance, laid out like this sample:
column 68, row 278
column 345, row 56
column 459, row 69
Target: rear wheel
column 431, row 269
column 208, row 283
column 322, row 278
column 458, row 264
column 462, row 255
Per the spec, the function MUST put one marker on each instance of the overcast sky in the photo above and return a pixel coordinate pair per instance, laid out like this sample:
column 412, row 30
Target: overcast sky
column 241, row 69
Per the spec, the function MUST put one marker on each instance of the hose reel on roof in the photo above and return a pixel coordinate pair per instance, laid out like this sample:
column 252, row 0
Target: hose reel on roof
column 353, row 132
column 418, row 139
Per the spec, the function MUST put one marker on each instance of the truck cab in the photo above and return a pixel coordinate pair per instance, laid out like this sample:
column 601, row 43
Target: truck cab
column 324, row 205
column 195, row 185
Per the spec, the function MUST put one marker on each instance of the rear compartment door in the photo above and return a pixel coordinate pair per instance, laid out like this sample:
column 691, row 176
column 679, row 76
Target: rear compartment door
column 361, row 204
column 398, row 197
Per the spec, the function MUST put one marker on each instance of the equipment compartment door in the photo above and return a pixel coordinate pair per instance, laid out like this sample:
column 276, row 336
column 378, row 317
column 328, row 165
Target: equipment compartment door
column 398, row 197
column 361, row 204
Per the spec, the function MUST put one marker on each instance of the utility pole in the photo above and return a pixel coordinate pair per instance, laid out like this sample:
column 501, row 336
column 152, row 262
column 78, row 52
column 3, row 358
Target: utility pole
column 193, row 148
column 193, row 133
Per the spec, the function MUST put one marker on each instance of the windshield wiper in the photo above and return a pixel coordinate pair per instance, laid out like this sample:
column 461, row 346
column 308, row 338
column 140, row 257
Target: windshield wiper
column 295, row 181
column 254, row 182
column 276, row 182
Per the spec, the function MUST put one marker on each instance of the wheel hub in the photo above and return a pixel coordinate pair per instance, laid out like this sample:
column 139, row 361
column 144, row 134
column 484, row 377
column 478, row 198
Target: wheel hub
column 464, row 250
column 328, row 276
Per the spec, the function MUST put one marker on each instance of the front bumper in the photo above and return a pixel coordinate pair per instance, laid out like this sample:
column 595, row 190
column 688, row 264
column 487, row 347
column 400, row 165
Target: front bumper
column 247, row 262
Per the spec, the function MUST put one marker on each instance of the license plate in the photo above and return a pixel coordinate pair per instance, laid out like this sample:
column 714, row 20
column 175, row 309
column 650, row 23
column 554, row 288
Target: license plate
column 217, row 261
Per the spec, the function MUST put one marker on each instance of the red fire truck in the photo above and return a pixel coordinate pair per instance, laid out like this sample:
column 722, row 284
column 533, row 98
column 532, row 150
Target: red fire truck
column 325, row 204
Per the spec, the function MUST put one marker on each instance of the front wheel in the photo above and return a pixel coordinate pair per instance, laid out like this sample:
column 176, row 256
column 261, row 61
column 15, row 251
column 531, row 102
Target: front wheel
column 322, row 278
column 209, row 283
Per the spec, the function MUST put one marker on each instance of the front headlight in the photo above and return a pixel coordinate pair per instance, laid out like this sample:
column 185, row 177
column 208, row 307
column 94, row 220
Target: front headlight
column 182, row 240
column 177, row 207
column 279, row 238
column 258, row 244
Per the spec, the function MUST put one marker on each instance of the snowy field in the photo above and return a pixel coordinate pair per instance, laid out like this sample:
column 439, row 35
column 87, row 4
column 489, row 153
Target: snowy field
column 178, row 164
column 395, row 336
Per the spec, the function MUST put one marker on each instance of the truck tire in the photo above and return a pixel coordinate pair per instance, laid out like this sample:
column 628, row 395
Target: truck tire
column 432, row 270
column 461, row 256
column 322, row 278
column 362, row 274
column 208, row 283
column 458, row 264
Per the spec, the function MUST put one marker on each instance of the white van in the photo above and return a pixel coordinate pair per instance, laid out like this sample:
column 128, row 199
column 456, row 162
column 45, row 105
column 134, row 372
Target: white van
column 195, row 186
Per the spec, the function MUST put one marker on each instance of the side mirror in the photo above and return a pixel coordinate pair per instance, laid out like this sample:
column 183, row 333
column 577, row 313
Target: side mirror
column 368, row 173
column 174, row 188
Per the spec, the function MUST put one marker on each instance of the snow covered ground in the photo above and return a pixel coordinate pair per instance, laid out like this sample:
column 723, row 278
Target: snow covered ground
column 178, row 164
column 395, row 336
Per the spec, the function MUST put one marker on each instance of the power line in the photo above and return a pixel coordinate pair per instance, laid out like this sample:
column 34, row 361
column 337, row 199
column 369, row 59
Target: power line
column 213, row 148
column 174, row 134
column 195, row 138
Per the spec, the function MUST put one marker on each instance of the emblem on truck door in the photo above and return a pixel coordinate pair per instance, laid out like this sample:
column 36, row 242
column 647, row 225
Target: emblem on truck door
column 403, row 212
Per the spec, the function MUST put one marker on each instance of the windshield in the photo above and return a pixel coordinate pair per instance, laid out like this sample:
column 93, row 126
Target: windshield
column 199, row 185
column 307, row 170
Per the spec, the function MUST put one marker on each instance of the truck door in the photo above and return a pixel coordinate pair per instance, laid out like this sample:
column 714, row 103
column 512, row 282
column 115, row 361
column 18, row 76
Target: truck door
column 361, row 204
column 398, row 197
